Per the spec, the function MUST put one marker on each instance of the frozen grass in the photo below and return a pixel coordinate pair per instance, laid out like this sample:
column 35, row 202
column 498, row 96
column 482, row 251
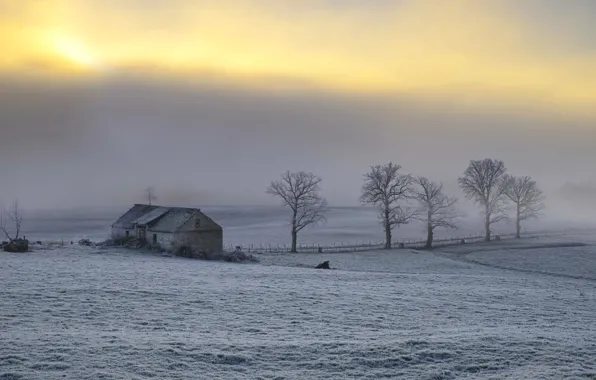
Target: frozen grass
column 83, row 313
column 572, row 256
column 574, row 262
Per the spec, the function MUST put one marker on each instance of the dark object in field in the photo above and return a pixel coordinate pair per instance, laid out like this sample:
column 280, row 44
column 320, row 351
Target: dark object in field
column 85, row 242
column 324, row 265
column 462, row 241
column 17, row 246
column 498, row 237
column 402, row 245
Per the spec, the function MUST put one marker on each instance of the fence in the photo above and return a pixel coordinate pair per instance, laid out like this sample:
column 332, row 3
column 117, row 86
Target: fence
column 343, row 247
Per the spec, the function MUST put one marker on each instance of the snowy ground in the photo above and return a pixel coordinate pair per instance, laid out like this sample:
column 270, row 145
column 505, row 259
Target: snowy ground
column 507, row 310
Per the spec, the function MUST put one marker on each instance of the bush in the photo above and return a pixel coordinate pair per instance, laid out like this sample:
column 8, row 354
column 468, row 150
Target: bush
column 231, row 257
column 238, row 257
column 119, row 242
column 17, row 246
column 184, row 251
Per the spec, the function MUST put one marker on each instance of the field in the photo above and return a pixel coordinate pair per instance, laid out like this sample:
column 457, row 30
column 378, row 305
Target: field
column 500, row 311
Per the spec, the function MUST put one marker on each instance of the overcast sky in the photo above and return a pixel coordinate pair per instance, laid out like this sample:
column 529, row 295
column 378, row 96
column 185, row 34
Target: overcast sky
column 210, row 100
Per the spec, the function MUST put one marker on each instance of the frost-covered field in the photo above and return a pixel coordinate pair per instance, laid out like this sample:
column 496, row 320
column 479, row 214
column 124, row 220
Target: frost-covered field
column 81, row 313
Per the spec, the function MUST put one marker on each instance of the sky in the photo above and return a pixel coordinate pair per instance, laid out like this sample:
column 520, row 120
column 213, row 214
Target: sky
column 208, row 101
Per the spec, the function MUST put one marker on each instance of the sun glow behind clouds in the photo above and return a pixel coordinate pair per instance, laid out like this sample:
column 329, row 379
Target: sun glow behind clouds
column 74, row 51
column 472, row 50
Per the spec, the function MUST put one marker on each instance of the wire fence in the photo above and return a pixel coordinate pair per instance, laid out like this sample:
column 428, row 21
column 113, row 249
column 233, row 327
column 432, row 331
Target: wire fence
column 343, row 247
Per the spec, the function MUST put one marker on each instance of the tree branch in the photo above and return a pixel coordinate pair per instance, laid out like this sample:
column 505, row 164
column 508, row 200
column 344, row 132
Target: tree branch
column 15, row 218
column 300, row 192
column 524, row 193
column 484, row 183
column 435, row 208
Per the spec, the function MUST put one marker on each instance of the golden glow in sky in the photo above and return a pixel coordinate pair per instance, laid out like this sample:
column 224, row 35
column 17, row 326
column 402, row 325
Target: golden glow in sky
column 473, row 50
column 73, row 51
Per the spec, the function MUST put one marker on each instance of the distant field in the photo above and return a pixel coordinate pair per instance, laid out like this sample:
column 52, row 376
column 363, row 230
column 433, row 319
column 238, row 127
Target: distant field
column 80, row 313
column 262, row 226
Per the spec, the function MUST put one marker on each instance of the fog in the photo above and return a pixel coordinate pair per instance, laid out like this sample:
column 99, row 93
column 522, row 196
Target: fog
column 101, row 142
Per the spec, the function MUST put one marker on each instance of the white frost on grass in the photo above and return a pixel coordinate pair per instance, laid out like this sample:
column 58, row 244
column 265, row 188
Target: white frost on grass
column 83, row 313
column 572, row 256
column 575, row 262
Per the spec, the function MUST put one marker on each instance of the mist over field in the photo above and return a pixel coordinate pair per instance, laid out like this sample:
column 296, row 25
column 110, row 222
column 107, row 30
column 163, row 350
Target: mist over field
column 90, row 117
column 102, row 144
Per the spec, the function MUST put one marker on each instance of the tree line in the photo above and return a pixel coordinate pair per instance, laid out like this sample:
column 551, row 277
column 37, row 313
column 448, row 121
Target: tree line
column 402, row 198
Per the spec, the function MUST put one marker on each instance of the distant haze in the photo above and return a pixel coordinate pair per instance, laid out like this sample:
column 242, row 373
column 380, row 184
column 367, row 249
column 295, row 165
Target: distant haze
column 88, row 120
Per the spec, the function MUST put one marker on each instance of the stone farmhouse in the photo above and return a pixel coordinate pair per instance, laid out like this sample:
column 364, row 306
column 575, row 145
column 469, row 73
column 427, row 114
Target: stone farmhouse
column 170, row 228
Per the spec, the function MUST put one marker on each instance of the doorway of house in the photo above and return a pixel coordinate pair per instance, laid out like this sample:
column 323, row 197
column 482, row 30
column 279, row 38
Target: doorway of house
column 154, row 238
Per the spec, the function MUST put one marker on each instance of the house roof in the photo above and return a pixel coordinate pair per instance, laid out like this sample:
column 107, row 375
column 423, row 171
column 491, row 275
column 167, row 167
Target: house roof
column 174, row 219
column 151, row 216
column 157, row 218
column 138, row 210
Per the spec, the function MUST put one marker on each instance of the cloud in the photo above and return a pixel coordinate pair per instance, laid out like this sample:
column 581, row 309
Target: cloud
column 209, row 101
column 474, row 53
column 102, row 142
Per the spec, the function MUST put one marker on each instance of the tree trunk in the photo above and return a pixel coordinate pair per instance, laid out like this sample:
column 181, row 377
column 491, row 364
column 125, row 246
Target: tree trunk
column 429, row 236
column 294, row 241
column 487, row 225
column 429, row 229
column 387, row 236
column 387, row 229
column 294, row 248
column 518, row 225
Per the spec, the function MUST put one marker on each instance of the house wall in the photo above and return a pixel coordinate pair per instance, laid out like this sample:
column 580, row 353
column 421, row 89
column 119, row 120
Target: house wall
column 119, row 233
column 206, row 236
column 205, row 224
column 200, row 241
column 165, row 241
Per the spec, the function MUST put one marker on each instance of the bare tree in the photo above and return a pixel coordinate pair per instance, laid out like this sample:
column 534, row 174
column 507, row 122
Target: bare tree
column 150, row 194
column 526, row 197
column 385, row 187
column 299, row 191
column 484, row 183
column 13, row 217
column 435, row 208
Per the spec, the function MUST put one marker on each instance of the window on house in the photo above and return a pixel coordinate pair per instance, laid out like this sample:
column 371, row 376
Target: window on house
column 127, row 233
column 154, row 238
column 197, row 223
